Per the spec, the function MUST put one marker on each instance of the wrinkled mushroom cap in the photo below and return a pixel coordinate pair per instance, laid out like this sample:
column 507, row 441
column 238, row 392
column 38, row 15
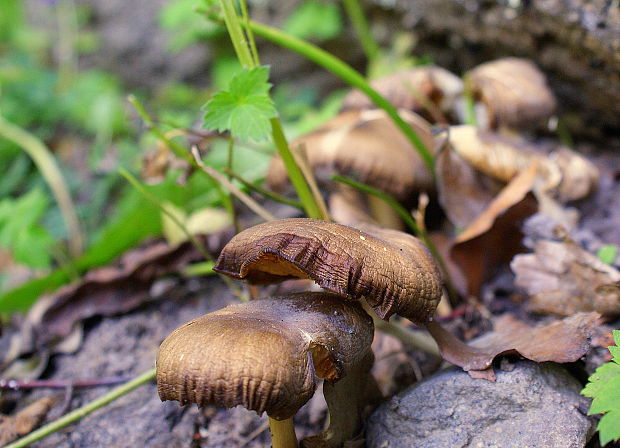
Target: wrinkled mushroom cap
column 366, row 145
column 514, row 91
column 392, row 270
column 266, row 354
column 411, row 89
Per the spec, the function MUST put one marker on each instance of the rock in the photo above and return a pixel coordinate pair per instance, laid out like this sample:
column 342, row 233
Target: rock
column 530, row 405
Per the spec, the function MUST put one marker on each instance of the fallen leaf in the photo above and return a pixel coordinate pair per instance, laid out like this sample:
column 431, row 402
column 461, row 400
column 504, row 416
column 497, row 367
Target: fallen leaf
column 18, row 425
column 562, row 278
column 479, row 257
column 514, row 91
column 463, row 191
column 561, row 341
column 513, row 193
column 201, row 222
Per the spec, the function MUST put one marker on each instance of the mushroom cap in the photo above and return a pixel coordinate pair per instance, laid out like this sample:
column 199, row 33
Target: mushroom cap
column 410, row 89
column 392, row 270
column 266, row 354
column 514, row 91
column 366, row 145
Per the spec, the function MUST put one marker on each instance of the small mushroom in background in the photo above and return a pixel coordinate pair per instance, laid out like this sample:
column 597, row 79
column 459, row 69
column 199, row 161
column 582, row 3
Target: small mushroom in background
column 564, row 173
column 430, row 91
column 365, row 145
column 392, row 270
column 268, row 355
column 510, row 92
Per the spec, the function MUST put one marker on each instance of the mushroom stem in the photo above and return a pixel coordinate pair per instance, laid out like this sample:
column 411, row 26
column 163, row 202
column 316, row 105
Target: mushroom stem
column 383, row 213
column 346, row 401
column 282, row 433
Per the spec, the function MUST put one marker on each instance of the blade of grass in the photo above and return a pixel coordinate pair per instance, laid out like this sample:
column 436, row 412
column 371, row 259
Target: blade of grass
column 409, row 221
column 83, row 411
column 360, row 24
column 46, row 163
column 264, row 192
column 199, row 247
column 347, row 74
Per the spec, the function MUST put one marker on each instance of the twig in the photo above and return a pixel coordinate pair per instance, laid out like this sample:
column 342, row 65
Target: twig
column 60, row 384
column 264, row 192
column 247, row 200
column 83, row 411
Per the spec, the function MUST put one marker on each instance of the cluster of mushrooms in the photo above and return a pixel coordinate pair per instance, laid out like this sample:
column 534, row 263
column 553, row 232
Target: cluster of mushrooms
column 269, row 354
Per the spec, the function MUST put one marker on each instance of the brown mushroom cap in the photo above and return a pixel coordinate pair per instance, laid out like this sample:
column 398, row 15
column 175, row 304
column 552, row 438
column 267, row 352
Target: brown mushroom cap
column 265, row 354
column 411, row 89
column 514, row 91
column 392, row 270
column 366, row 145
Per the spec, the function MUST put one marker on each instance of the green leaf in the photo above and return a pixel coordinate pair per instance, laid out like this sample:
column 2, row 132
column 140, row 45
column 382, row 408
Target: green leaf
column 604, row 386
column 315, row 20
column 608, row 253
column 245, row 108
column 609, row 427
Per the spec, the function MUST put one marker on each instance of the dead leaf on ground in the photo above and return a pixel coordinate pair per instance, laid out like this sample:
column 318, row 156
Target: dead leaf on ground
column 15, row 426
column 561, row 341
column 514, row 91
column 512, row 194
column 105, row 291
column 479, row 257
column 562, row 278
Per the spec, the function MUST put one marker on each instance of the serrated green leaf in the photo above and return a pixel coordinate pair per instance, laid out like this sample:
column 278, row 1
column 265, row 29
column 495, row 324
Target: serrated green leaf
column 615, row 352
column 616, row 335
column 599, row 378
column 245, row 108
column 250, row 82
column 607, row 397
column 609, row 427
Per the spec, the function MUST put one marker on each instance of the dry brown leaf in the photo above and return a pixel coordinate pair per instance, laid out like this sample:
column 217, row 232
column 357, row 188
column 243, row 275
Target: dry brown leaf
column 513, row 193
column 561, row 341
column 514, row 91
column 347, row 206
column 18, row 425
column 426, row 90
column 463, row 192
column 479, row 257
column 562, row 278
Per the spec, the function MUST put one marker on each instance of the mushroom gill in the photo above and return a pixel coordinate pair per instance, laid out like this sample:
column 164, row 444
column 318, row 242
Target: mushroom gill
column 392, row 270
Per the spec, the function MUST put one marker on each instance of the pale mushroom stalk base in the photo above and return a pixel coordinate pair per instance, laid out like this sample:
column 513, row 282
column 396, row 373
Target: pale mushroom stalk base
column 282, row 433
column 384, row 214
column 346, row 402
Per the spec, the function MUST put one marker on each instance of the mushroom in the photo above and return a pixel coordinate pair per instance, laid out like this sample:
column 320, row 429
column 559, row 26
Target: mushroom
column 429, row 91
column 514, row 93
column 392, row 270
column 366, row 145
column 268, row 354
column 564, row 173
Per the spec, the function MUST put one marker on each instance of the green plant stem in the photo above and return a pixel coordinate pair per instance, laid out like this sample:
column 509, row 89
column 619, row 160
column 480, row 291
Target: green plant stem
column 358, row 19
column 231, row 198
column 199, row 247
column 294, row 172
column 409, row 221
column 83, row 411
column 249, row 58
column 264, row 192
column 470, row 104
column 176, row 148
column 349, row 75
column 45, row 162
